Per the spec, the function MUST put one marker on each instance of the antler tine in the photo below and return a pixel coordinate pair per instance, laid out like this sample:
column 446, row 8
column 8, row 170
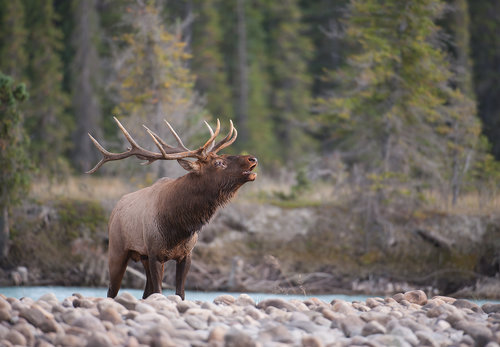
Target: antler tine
column 230, row 142
column 127, row 135
column 135, row 149
column 211, row 134
column 157, row 140
column 226, row 141
column 179, row 141
column 104, row 152
column 212, row 138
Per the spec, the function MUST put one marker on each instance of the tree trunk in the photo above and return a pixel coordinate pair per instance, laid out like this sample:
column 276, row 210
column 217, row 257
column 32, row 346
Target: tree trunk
column 85, row 102
column 4, row 233
column 242, row 107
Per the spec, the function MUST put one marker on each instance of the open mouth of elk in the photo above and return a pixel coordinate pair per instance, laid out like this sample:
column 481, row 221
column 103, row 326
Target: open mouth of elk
column 251, row 176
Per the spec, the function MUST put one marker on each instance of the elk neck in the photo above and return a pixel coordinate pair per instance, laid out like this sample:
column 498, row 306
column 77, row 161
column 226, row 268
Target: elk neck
column 188, row 202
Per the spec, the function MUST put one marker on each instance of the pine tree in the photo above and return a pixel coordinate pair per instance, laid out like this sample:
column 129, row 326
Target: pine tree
column 485, row 52
column 397, row 114
column 14, row 161
column 85, row 74
column 47, row 123
column 154, row 82
column 207, row 60
column 13, row 37
column 289, row 54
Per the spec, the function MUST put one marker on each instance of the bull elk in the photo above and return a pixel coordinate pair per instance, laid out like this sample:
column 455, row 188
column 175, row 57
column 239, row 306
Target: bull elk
column 161, row 222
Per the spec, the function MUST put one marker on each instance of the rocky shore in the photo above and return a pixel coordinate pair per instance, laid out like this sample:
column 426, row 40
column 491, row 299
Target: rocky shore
column 406, row 319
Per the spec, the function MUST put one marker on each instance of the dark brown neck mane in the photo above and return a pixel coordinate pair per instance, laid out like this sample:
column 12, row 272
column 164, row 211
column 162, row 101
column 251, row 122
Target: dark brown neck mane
column 188, row 203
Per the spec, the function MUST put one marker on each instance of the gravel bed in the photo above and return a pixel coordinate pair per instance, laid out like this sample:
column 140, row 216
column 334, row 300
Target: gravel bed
column 406, row 319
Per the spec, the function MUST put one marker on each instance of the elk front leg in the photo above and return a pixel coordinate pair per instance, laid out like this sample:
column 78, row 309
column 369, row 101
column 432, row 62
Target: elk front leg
column 181, row 270
column 155, row 277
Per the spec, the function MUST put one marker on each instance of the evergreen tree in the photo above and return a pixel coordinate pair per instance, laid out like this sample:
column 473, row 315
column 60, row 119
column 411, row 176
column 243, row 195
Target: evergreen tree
column 485, row 52
column 13, row 36
column 207, row 61
column 47, row 123
column 154, row 82
column 289, row 54
column 14, row 161
column 85, row 81
column 396, row 113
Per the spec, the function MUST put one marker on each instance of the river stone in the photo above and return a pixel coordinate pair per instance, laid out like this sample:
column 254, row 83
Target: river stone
column 462, row 303
column 351, row 325
column 89, row 322
column 196, row 323
column 306, row 325
column 5, row 314
column 49, row 298
column 111, row 303
column 341, row 306
column 16, row 338
column 127, row 300
column 143, row 307
column 69, row 340
column 39, row 318
column 28, row 331
column 397, row 297
column 445, row 299
column 85, row 303
column 479, row 332
column 311, row 341
column 224, row 299
column 43, row 343
column 174, row 298
column 216, row 335
column 183, row 306
column 405, row 333
column 376, row 316
column 237, row 338
column 110, row 314
column 360, row 307
column 416, row 297
column 162, row 340
column 245, row 300
column 3, row 331
column 388, row 340
column 491, row 308
column 299, row 305
column 372, row 302
column 275, row 332
column 4, row 304
column 442, row 325
column 331, row 315
column 99, row 339
column 372, row 328
column 278, row 303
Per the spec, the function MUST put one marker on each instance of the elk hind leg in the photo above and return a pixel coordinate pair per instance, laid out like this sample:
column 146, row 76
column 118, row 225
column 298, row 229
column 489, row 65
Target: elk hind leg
column 117, row 265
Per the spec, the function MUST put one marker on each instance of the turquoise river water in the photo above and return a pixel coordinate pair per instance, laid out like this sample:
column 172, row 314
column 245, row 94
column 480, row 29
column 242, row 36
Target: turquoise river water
column 64, row 292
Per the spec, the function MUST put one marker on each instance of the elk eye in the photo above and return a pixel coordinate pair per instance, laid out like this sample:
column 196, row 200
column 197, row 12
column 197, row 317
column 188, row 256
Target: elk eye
column 220, row 163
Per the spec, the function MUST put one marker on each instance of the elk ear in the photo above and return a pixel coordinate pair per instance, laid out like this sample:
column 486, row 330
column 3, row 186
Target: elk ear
column 191, row 166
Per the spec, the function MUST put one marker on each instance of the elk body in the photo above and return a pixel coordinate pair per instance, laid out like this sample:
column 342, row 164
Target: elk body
column 161, row 222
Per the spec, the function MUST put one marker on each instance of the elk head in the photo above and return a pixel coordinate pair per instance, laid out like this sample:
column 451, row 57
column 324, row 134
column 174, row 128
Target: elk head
column 236, row 169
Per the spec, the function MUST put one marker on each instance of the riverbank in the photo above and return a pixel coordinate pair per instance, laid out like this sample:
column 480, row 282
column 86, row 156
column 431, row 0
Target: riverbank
column 404, row 319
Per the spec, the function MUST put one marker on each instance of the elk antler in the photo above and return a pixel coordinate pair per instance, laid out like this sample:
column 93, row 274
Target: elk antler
column 226, row 141
column 167, row 152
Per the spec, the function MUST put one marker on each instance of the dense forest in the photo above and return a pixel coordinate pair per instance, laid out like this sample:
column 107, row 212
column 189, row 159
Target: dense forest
column 393, row 103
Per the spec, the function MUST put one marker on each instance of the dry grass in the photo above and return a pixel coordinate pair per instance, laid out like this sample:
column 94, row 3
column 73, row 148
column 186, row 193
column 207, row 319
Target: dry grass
column 467, row 204
column 82, row 188
column 264, row 190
